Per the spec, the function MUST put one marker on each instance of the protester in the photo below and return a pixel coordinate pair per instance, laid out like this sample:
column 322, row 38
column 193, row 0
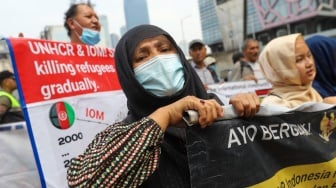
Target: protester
column 197, row 52
column 10, row 109
column 211, row 63
column 82, row 24
column 323, row 50
column 249, row 68
column 289, row 66
column 236, row 57
column 148, row 147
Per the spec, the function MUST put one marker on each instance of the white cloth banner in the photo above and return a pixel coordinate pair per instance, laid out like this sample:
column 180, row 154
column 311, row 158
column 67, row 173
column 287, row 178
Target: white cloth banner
column 17, row 164
column 228, row 89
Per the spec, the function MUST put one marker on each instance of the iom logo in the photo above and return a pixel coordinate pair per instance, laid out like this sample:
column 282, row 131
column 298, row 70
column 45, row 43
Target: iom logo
column 62, row 115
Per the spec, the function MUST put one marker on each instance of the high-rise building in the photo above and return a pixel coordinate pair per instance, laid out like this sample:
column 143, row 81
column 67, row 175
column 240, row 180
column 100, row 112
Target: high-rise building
column 55, row 32
column 262, row 20
column 136, row 13
column 231, row 19
column 123, row 30
column 265, row 21
column 210, row 26
column 114, row 39
column 104, row 32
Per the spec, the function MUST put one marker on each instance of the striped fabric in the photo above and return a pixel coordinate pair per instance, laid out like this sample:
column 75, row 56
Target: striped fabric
column 123, row 155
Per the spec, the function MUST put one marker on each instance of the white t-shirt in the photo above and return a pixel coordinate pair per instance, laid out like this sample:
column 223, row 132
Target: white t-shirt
column 257, row 70
column 204, row 74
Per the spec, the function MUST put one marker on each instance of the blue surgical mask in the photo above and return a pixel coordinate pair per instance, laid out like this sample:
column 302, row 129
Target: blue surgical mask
column 162, row 75
column 89, row 36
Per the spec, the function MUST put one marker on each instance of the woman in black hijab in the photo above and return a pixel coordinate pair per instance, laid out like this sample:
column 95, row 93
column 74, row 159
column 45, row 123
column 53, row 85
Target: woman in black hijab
column 147, row 149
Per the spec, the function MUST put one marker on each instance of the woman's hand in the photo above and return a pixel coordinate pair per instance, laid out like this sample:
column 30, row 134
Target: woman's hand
column 251, row 77
column 245, row 104
column 330, row 100
column 171, row 115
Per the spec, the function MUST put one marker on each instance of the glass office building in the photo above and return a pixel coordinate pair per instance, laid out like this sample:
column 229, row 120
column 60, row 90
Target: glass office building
column 268, row 20
column 210, row 26
column 136, row 13
column 231, row 18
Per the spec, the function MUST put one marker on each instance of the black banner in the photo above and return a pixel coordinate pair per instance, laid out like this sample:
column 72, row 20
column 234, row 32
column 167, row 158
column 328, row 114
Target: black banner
column 297, row 149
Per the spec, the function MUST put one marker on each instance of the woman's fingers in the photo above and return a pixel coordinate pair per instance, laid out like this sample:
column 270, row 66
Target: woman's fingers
column 246, row 104
column 209, row 112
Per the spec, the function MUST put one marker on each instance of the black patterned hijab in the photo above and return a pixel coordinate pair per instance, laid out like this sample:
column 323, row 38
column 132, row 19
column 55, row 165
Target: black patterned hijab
column 139, row 101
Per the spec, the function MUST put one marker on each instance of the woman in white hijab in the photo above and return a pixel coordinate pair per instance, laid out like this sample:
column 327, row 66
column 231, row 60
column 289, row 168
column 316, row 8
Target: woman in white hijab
column 289, row 66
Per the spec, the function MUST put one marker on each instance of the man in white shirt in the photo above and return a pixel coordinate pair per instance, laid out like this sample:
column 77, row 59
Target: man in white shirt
column 197, row 52
column 249, row 69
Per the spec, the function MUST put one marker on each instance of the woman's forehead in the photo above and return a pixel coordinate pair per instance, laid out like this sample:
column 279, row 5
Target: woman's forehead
column 159, row 38
column 156, row 41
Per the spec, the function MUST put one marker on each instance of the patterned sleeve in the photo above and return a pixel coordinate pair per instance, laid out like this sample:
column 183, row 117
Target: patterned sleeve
column 123, row 155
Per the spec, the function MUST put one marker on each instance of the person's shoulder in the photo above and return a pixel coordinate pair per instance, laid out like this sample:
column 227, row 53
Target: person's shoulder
column 193, row 65
column 272, row 100
column 245, row 63
column 4, row 98
column 237, row 65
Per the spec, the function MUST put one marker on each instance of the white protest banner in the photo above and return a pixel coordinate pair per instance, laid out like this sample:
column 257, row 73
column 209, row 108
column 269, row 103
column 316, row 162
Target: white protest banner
column 17, row 164
column 69, row 93
column 229, row 89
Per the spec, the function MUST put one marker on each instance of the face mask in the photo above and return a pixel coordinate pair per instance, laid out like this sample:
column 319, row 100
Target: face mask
column 162, row 75
column 89, row 36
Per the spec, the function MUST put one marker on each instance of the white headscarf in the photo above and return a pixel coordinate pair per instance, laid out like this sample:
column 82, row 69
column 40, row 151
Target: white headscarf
column 277, row 62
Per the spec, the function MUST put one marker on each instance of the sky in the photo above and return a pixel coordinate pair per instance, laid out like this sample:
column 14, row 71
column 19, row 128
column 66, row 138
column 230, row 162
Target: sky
column 31, row 16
